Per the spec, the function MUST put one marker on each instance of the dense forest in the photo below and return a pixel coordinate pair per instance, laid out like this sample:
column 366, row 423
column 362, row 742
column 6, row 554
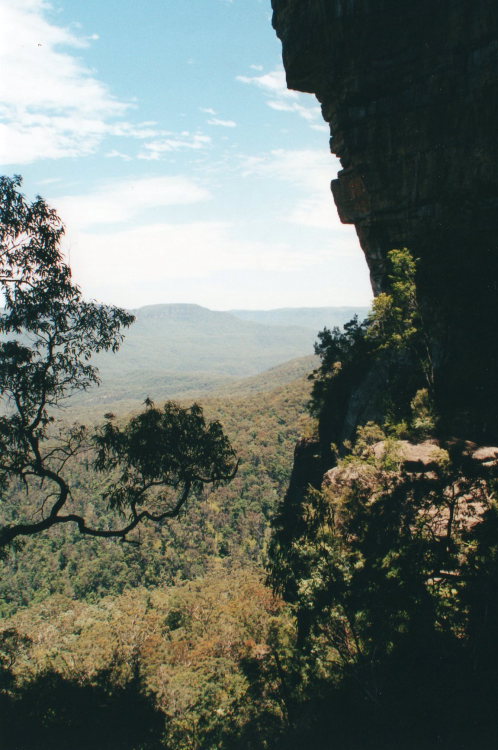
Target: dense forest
column 230, row 523
column 183, row 625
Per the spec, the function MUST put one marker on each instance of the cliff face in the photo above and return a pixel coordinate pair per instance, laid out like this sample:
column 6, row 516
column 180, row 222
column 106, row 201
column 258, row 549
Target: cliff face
column 411, row 94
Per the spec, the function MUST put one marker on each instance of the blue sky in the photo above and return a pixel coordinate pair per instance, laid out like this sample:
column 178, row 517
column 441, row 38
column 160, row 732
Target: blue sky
column 185, row 171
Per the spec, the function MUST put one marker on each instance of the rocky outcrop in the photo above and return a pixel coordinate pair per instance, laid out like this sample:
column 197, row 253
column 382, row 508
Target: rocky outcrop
column 411, row 94
column 453, row 501
column 428, row 460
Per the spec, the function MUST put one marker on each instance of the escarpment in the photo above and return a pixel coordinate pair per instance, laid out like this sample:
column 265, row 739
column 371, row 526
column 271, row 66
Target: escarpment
column 410, row 91
column 385, row 543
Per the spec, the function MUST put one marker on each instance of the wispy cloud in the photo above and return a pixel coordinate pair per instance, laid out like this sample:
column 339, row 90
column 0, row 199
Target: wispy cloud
column 153, row 150
column 310, row 171
column 115, row 154
column 310, row 114
column 52, row 105
column 279, row 97
column 118, row 201
column 271, row 83
column 222, row 123
column 214, row 120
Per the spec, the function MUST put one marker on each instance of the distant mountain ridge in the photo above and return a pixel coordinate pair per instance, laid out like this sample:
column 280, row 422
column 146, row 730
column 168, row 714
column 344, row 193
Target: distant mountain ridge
column 314, row 318
column 179, row 348
column 190, row 338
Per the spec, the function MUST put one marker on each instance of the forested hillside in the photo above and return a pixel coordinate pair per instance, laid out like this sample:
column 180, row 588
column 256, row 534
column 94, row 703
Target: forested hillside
column 230, row 522
column 182, row 627
column 195, row 665
column 177, row 349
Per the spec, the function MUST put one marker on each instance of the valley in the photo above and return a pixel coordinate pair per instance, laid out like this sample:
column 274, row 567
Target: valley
column 183, row 351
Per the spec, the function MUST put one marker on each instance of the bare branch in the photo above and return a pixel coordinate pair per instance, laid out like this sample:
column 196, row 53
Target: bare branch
column 9, row 533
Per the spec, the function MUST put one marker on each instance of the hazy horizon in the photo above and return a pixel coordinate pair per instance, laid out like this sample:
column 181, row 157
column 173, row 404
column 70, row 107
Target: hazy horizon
column 252, row 309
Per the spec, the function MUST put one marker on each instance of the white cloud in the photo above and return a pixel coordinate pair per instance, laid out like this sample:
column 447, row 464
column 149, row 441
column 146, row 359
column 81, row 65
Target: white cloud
column 307, row 113
column 114, row 154
column 208, row 110
column 310, row 172
column 114, row 202
column 174, row 142
column 222, row 123
column 271, row 83
column 280, row 98
column 140, row 131
column 52, row 105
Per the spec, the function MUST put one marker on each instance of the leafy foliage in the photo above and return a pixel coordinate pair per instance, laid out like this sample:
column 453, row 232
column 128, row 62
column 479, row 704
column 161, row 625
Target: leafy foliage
column 160, row 450
column 393, row 345
column 395, row 319
column 390, row 565
column 388, row 593
column 393, row 577
column 213, row 653
column 339, row 352
column 396, row 323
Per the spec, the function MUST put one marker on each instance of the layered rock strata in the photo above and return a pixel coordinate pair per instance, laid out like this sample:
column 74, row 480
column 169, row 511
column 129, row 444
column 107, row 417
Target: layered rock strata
column 410, row 91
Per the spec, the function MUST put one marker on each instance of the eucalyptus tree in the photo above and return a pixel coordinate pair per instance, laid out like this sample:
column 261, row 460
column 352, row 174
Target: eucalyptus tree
column 48, row 335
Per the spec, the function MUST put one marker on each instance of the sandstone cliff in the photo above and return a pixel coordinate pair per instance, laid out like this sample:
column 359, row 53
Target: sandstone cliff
column 411, row 94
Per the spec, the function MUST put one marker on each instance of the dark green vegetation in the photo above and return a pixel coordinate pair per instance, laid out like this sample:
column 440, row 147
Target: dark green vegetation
column 229, row 522
column 63, row 483
column 391, row 565
column 372, row 370
column 393, row 579
column 198, row 665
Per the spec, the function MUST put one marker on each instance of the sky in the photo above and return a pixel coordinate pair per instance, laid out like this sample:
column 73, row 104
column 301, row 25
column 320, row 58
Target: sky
column 184, row 169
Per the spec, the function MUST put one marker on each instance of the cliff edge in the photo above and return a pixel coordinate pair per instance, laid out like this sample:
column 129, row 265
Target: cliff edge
column 410, row 91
